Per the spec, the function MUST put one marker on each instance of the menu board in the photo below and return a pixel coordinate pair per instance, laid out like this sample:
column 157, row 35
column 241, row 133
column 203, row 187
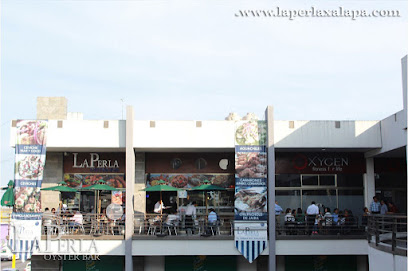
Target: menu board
column 250, row 204
column 29, row 164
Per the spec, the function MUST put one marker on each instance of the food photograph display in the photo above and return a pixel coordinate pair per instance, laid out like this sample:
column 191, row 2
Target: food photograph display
column 84, row 180
column 191, row 180
column 29, row 167
column 27, row 199
column 250, row 202
column 31, row 132
column 250, row 164
column 250, row 133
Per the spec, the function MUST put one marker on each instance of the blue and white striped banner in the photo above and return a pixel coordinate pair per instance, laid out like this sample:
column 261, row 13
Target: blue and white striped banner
column 250, row 249
column 25, row 233
column 251, row 238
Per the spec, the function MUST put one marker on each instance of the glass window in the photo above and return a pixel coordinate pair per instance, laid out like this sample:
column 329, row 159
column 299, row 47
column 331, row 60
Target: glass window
column 327, row 180
column 310, row 180
column 287, row 180
column 323, row 198
column 352, row 200
column 288, row 198
column 350, row 180
column 176, row 163
column 200, row 163
column 223, row 164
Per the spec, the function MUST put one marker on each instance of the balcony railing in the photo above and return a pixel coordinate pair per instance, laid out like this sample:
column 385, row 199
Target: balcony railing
column 388, row 232
column 93, row 225
column 156, row 225
column 350, row 227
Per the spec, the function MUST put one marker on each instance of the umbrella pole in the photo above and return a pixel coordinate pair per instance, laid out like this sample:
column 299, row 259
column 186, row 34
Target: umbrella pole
column 206, row 204
column 161, row 211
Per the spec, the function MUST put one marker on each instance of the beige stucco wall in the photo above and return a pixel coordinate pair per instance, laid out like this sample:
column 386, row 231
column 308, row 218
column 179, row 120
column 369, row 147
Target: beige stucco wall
column 53, row 174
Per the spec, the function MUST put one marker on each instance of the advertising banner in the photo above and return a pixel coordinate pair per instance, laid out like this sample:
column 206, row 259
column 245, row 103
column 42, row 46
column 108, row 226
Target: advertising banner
column 191, row 180
column 84, row 180
column 29, row 164
column 251, row 238
column 25, row 234
column 251, row 209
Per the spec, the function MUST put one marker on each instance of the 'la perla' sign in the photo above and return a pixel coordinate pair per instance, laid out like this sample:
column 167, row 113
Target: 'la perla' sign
column 94, row 162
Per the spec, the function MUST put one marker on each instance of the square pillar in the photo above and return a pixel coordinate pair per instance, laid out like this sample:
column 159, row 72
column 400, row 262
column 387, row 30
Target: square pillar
column 369, row 182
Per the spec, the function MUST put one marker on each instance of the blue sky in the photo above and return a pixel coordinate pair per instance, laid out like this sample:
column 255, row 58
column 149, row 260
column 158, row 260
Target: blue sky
column 196, row 60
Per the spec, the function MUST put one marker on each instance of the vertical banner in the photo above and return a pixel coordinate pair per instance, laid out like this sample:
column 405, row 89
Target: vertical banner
column 25, row 234
column 29, row 170
column 251, row 213
column 29, row 164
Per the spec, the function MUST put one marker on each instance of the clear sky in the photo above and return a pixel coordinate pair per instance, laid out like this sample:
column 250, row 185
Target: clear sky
column 196, row 60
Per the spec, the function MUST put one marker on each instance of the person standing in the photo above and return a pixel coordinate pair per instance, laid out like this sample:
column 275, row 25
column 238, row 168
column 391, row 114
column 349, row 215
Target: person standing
column 392, row 209
column 191, row 212
column 384, row 208
column 312, row 212
column 278, row 211
column 375, row 206
column 313, row 209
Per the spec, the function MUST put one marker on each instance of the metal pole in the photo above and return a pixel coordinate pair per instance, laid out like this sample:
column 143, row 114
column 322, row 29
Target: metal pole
column 271, row 189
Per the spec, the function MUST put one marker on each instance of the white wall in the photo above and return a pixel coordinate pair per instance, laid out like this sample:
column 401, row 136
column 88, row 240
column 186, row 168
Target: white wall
column 393, row 134
column 82, row 134
column 90, row 134
column 184, row 134
column 324, row 134
column 380, row 261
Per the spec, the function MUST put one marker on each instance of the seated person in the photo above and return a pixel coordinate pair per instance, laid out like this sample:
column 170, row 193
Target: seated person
column 300, row 216
column 335, row 216
column 212, row 217
column 77, row 219
column 172, row 219
column 289, row 218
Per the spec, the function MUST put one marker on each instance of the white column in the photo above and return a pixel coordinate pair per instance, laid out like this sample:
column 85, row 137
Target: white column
column 130, row 180
column 369, row 182
column 271, row 189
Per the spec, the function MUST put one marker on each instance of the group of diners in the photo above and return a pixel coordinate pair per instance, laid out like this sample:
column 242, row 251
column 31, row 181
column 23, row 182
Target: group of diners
column 72, row 221
column 313, row 221
column 184, row 217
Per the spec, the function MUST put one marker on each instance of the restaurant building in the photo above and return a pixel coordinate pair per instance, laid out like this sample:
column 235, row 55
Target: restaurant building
column 337, row 164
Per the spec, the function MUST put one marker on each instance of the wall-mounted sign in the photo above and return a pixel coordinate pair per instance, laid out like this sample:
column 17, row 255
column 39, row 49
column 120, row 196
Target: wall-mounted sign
column 94, row 162
column 319, row 163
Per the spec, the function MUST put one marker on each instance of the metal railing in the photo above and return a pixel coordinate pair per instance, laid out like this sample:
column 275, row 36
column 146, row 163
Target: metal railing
column 346, row 227
column 388, row 231
column 171, row 225
column 92, row 225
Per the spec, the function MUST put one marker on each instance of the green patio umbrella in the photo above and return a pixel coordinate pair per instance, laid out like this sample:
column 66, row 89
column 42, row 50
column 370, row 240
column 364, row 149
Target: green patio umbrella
column 205, row 187
column 100, row 186
column 61, row 187
column 160, row 187
column 8, row 196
